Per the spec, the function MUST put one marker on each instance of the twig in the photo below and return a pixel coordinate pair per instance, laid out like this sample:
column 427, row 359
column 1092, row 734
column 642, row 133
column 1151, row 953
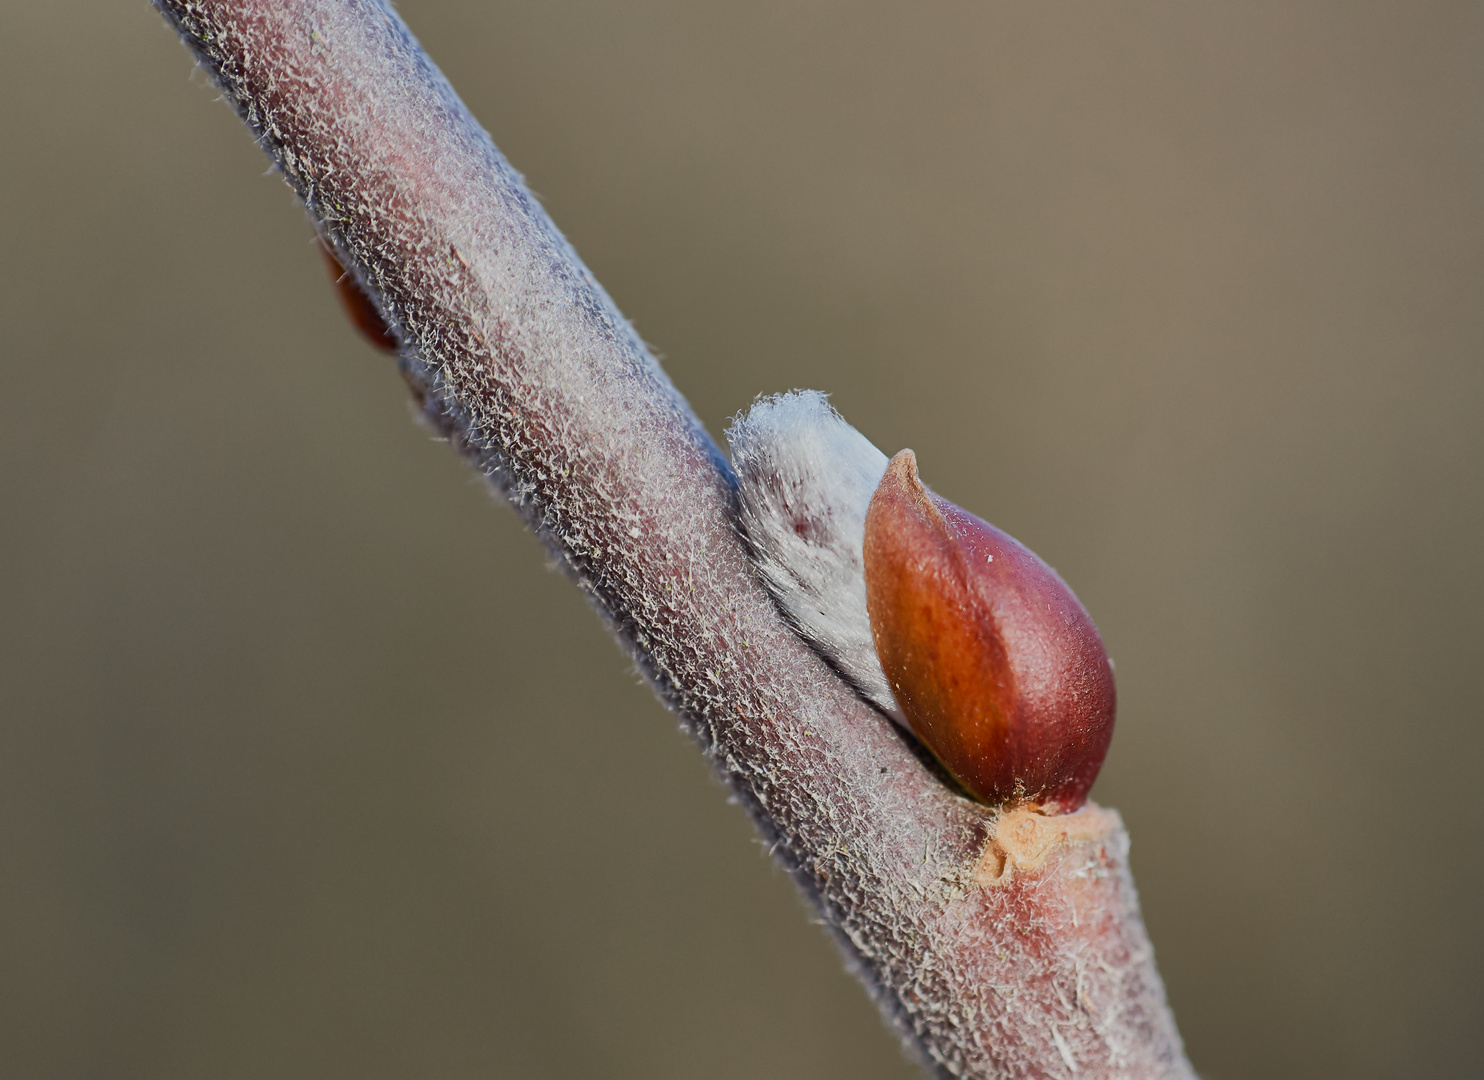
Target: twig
column 1000, row 945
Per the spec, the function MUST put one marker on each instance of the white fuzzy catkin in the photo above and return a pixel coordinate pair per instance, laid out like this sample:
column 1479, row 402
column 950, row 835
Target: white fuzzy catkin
column 805, row 479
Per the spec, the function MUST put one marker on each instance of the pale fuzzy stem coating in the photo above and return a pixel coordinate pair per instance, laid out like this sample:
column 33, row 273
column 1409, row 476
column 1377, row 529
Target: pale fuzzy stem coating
column 520, row 355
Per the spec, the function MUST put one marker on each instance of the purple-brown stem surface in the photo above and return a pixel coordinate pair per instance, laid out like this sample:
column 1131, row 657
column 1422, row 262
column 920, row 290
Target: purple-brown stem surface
column 1000, row 946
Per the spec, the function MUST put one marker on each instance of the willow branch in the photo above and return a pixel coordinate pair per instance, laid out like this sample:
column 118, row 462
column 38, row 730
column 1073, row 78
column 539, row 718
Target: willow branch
column 999, row 945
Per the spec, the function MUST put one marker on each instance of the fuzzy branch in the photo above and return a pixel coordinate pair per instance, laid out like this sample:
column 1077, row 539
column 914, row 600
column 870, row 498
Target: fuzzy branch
column 999, row 945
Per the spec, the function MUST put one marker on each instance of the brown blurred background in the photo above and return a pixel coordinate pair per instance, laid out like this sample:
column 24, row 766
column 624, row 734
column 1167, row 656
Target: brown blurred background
column 309, row 767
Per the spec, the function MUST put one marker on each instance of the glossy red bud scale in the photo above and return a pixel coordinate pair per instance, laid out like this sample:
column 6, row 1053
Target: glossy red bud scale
column 997, row 667
column 357, row 305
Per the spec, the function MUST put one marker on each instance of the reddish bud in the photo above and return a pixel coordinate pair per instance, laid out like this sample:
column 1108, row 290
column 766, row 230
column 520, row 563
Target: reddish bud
column 357, row 305
column 997, row 667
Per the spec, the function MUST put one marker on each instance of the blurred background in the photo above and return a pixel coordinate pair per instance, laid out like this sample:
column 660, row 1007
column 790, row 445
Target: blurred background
column 311, row 767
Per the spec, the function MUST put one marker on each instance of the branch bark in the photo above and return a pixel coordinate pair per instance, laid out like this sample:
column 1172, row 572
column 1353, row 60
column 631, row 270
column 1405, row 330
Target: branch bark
column 999, row 944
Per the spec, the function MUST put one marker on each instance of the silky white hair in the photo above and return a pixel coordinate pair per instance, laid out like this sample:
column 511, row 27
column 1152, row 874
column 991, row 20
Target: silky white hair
column 805, row 479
